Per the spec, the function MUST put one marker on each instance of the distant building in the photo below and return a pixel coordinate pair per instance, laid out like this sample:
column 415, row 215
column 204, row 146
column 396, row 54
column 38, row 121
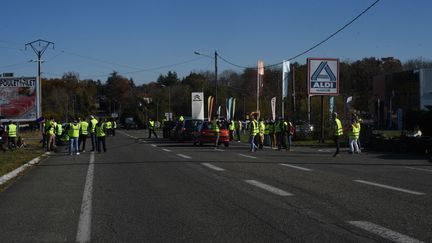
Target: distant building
column 400, row 92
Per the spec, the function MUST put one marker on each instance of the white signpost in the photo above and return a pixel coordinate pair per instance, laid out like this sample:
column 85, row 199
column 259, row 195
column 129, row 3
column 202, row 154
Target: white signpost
column 323, row 80
column 198, row 105
column 323, row 76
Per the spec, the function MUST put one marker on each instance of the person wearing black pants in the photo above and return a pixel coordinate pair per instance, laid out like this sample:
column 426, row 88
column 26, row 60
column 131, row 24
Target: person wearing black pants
column 100, row 136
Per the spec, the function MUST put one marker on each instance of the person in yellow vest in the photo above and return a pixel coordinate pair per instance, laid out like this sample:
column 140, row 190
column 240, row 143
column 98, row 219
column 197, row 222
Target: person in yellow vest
column 108, row 125
column 231, row 128
column 337, row 132
column 92, row 127
column 59, row 133
column 151, row 128
column 271, row 132
column 11, row 130
column 353, row 135
column 73, row 132
column 216, row 130
column 100, row 131
column 181, row 119
column 253, row 131
column 84, row 131
column 261, row 130
column 51, row 134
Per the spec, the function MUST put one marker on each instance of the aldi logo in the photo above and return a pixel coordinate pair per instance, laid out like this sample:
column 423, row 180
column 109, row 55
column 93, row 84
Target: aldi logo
column 323, row 76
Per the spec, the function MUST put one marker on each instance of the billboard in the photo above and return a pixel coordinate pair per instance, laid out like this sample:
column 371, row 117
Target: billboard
column 18, row 98
column 198, row 105
column 323, row 76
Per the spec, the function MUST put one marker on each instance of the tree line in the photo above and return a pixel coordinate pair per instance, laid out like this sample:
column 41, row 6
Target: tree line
column 69, row 96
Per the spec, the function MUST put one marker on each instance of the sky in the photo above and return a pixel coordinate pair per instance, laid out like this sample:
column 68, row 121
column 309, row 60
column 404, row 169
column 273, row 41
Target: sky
column 142, row 39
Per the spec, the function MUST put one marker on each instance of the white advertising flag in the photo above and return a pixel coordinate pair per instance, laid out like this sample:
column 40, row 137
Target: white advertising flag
column 273, row 107
column 285, row 78
column 198, row 105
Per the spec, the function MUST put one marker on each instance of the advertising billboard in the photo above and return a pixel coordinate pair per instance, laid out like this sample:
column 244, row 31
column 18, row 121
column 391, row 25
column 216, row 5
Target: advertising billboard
column 198, row 105
column 18, row 99
column 323, row 76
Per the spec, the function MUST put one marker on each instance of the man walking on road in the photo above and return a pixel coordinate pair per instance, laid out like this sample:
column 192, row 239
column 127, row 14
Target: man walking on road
column 337, row 132
column 100, row 136
column 151, row 127
column 83, row 134
column 12, row 134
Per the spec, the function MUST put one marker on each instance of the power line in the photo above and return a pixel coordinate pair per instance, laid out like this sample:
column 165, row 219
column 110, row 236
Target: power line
column 313, row 47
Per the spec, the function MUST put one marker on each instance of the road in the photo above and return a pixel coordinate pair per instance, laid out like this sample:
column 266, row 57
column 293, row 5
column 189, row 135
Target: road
column 154, row 190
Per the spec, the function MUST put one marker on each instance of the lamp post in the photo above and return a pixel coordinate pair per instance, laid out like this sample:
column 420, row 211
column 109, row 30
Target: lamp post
column 169, row 100
column 216, row 72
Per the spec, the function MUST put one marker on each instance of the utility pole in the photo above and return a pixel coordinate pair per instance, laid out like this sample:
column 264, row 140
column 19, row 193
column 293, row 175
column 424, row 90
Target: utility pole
column 216, row 78
column 39, row 47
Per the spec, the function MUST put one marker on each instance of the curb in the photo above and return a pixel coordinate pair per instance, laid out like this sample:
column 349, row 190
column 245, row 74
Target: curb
column 6, row 177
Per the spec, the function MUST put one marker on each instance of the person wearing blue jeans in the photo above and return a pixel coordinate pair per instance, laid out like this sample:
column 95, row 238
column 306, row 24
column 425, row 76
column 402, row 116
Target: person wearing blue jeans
column 253, row 131
column 74, row 130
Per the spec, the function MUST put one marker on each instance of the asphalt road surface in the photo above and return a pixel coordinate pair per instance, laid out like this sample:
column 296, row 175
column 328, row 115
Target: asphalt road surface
column 154, row 190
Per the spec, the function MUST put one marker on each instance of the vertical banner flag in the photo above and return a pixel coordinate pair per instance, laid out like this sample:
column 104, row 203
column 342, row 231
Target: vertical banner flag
column 230, row 103
column 273, row 107
column 226, row 108
column 260, row 77
column 331, row 105
column 210, row 107
column 233, row 109
column 285, row 78
column 198, row 105
column 218, row 112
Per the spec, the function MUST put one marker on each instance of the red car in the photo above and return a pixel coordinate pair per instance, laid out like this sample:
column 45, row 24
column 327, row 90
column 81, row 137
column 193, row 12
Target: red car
column 203, row 133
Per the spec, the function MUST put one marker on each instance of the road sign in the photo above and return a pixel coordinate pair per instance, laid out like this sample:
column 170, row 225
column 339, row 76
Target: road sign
column 323, row 76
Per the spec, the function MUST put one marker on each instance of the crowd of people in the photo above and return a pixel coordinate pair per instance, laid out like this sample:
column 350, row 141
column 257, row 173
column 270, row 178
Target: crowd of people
column 75, row 134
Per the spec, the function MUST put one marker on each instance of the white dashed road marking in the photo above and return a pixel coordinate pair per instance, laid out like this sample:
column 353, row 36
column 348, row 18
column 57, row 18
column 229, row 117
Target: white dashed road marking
column 184, row 156
column 269, row 188
column 213, row 167
column 390, row 187
column 383, row 232
column 84, row 224
column 166, row 150
column 247, row 156
column 420, row 169
column 153, row 145
column 296, row 167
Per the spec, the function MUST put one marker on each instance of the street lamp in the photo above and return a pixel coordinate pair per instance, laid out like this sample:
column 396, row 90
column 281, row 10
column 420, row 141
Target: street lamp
column 169, row 100
column 216, row 72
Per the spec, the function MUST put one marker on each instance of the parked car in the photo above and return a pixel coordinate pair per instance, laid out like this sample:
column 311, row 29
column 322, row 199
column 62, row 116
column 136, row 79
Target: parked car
column 203, row 133
column 303, row 129
column 182, row 131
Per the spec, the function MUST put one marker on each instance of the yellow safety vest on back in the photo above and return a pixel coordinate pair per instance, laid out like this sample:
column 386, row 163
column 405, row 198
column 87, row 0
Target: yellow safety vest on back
column 12, row 130
column 100, row 130
column 338, row 128
column 74, row 130
column 93, row 125
column 84, row 127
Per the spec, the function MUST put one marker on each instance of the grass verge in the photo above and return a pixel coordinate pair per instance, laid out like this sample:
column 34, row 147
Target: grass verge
column 11, row 160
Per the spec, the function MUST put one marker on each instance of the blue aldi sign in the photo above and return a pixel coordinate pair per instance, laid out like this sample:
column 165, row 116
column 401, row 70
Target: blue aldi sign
column 323, row 76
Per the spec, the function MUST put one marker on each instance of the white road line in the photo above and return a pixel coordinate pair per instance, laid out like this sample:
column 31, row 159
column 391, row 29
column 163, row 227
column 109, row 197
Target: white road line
column 213, row 167
column 84, row 224
column 296, row 167
column 420, row 169
column 153, row 145
column 5, row 178
column 166, row 150
column 390, row 187
column 127, row 135
column 382, row 231
column 269, row 188
column 184, row 156
column 220, row 150
column 248, row 156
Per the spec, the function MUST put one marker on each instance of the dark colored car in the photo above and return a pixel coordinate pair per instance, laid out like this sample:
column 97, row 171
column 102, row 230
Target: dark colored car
column 303, row 129
column 203, row 133
column 182, row 131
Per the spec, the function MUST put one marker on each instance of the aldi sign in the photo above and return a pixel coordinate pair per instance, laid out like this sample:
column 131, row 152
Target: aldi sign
column 323, row 76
